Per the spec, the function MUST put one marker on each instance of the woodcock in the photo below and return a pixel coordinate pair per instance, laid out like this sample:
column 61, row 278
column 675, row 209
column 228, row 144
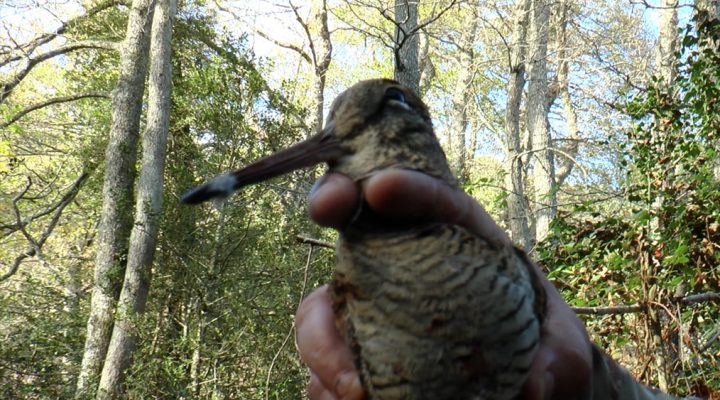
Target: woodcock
column 430, row 310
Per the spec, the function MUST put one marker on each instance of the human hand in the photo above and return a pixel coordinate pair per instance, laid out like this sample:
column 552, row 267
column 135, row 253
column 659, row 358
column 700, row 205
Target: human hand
column 563, row 364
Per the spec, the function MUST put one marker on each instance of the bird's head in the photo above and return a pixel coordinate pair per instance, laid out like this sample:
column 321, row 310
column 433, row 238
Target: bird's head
column 373, row 125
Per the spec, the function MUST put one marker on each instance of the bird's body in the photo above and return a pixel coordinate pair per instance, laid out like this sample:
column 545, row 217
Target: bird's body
column 431, row 311
column 435, row 312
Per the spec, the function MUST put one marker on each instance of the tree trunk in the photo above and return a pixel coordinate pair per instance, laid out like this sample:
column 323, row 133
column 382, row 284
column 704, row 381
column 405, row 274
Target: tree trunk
column 665, row 60
column 148, row 207
column 426, row 66
column 115, row 221
column 711, row 10
column 537, row 117
column 570, row 151
column 666, row 71
column 407, row 68
column 514, row 180
column 206, row 310
column 321, row 48
column 461, row 97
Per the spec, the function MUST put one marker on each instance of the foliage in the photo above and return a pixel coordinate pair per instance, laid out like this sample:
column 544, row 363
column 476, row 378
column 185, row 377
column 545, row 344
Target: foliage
column 671, row 236
column 226, row 282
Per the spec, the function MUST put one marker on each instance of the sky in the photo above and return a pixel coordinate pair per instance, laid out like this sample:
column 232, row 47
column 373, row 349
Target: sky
column 23, row 18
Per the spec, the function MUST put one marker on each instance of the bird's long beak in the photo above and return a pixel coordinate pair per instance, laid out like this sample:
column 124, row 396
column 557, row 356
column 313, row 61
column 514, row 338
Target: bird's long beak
column 322, row 147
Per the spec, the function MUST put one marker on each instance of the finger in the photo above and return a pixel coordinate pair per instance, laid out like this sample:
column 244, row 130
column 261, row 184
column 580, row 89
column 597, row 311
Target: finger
column 401, row 194
column 563, row 365
column 322, row 348
column 316, row 390
column 333, row 200
column 412, row 194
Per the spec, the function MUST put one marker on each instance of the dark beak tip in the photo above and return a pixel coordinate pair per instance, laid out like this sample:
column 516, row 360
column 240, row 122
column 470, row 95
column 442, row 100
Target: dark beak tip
column 199, row 195
column 220, row 187
column 194, row 196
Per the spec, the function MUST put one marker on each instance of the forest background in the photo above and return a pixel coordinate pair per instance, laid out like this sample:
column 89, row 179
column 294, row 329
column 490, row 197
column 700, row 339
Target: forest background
column 588, row 129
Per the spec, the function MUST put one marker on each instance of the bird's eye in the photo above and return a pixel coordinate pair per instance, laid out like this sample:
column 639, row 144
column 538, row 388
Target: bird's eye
column 395, row 94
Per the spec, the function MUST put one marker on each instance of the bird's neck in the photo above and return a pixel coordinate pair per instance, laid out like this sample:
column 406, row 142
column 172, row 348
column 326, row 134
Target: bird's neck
column 368, row 222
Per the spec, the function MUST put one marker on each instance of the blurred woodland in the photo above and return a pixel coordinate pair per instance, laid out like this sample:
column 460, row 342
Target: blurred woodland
column 589, row 129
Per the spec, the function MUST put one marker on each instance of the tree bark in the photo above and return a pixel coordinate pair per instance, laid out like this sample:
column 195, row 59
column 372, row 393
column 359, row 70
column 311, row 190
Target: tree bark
column 711, row 10
column 321, row 47
column 666, row 71
column 665, row 60
column 115, row 220
column 565, row 164
column 514, row 180
column 461, row 97
column 537, row 117
column 206, row 308
column 426, row 65
column 148, row 207
column 406, row 46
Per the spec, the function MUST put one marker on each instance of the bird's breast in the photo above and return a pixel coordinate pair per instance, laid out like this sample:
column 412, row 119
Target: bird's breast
column 435, row 313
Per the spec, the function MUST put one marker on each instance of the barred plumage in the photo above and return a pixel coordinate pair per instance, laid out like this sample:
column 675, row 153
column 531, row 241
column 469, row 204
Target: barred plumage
column 436, row 313
column 431, row 311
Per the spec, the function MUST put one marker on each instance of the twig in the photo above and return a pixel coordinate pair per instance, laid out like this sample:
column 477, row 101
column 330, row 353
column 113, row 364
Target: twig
column 36, row 245
column 633, row 308
column 710, row 342
column 10, row 84
column 22, row 51
column 284, row 45
column 48, row 102
column 314, row 242
column 292, row 326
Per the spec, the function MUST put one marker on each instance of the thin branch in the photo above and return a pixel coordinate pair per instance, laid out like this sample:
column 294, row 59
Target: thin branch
column 710, row 297
column 700, row 298
column 49, row 102
column 306, row 29
column 288, row 46
column 710, row 342
column 306, row 275
column 36, row 245
column 314, row 242
column 432, row 19
column 568, row 156
column 241, row 62
column 608, row 310
column 9, row 85
column 29, row 47
column 14, row 227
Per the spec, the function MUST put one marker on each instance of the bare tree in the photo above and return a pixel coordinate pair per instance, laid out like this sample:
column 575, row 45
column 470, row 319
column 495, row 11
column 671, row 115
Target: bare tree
column 116, row 219
column 321, row 50
column 665, row 61
column 564, row 158
column 24, row 57
column 148, row 206
column 461, row 95
column 514, row 181
column 404, row 40
column 426, row 64
column 710, row 10
column 666, row 71
column 537, row 120
column 318, row 54
column 20, row 223
column 406, row 51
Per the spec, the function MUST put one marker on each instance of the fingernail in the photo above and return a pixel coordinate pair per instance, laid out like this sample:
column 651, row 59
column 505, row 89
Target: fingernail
column 548, row 385
column 347, row 383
